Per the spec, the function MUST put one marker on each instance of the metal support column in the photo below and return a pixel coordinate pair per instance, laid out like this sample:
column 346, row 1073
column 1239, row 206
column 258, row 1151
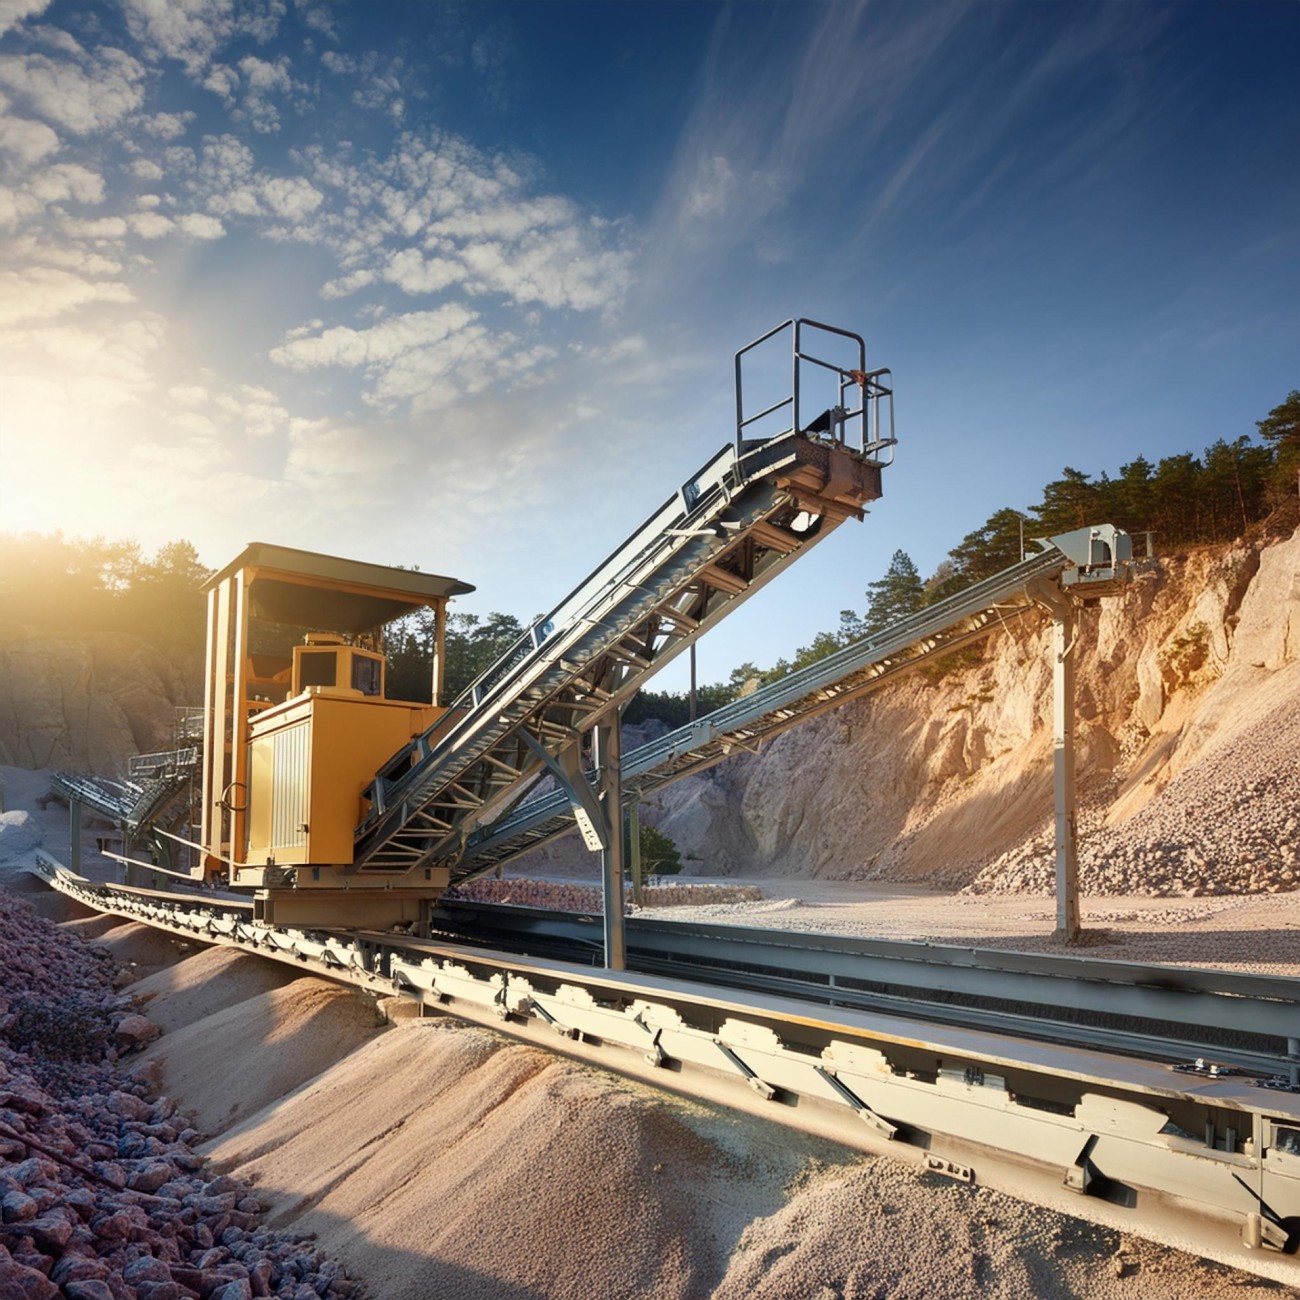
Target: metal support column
column 1064, row 624
column 609, row 761
column 74, row 825
column 1067, row 829
column 439, row 651
column 634, row 849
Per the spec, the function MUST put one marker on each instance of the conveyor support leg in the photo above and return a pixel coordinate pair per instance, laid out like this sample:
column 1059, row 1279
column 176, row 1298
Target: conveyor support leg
column 1063, row 782
column 74, row 822
column 609, row 760
column 1064, row 627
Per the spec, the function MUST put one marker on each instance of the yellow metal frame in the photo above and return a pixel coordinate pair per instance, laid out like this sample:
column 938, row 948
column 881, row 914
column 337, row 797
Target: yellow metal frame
column 284, row 766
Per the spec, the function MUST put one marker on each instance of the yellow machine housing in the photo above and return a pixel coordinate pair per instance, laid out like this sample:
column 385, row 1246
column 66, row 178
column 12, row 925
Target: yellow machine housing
column 294, row 733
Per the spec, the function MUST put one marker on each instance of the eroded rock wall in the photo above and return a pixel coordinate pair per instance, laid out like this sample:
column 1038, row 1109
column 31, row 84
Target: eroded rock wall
column 942, row 774
column 85, row 704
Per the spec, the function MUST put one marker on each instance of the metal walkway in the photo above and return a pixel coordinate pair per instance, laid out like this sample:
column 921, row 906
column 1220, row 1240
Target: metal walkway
column 135, row 804
column 747, row 723
column 748, row 514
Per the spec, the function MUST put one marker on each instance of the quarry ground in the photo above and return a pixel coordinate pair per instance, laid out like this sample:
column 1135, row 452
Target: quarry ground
column 1257, row 933
column 440, row 1160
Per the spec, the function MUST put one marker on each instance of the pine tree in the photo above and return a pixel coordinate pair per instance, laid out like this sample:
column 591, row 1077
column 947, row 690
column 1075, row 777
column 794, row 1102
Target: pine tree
column 992, row 547
column 1282, row 428
column 899, row 593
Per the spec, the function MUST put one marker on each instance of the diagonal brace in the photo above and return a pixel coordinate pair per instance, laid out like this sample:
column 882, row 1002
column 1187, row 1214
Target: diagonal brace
column 566, row 769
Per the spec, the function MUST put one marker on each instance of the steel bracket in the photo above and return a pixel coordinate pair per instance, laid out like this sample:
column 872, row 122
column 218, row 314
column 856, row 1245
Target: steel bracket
column 760, row 1086
column 851, row 1098
column 932, row 1164
column 566, row 769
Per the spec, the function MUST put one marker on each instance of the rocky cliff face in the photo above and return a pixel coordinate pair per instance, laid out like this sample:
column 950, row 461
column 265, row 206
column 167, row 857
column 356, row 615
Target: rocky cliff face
column 86, row 704
column 1188, row 753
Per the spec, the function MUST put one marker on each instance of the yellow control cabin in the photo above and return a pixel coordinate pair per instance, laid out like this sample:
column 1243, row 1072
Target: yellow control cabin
column 297, row 721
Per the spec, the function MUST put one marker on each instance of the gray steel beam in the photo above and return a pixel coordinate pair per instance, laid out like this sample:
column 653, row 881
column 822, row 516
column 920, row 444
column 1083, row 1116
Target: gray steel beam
column 609, row 758
column 1043, row 986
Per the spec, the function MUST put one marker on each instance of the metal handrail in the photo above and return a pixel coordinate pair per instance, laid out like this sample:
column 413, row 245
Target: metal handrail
column 870, row 383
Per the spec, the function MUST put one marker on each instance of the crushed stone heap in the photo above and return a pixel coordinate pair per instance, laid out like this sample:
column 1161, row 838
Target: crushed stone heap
column 102, row 1196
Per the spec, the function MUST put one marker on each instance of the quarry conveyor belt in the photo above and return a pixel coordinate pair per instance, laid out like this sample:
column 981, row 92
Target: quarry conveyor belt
column 727, row 532
column 1202, row 1156
column 748, row 723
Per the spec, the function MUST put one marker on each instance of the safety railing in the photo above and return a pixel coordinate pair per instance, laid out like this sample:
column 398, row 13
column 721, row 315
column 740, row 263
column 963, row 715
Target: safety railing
column 856, row 399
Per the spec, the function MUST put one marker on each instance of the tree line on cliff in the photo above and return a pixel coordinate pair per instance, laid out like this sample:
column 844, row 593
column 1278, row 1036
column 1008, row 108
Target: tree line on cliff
column 70, row 586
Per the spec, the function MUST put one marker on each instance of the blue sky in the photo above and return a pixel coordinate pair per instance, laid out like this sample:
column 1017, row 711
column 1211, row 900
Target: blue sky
column 458, row 285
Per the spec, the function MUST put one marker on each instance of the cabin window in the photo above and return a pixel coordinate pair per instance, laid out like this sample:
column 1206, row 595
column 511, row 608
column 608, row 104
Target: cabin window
column 1286, row 1140
column 319, row 669
column 366, row 675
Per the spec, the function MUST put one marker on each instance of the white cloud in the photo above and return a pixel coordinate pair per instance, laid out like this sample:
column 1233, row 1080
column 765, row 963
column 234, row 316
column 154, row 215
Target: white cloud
column 192, row 31
column 12, row 12
column 420, row 361
column 43, row 293
column 438, row 213
column 26, row 141
column 709, row 191
column 30, row 250
column 84, row 95
column 318, row 16
column 104, row 229
column 198, row 225
column 223, row 81
column 250, row 90
column 377, row 346
column 290, row 197
column 230, row 184
column 150, row 225
column 555, row 268
column 341, row 64
column 146, row 170
column 347, row 284
column 61, row 183
column 167, row 126
column 415, row 274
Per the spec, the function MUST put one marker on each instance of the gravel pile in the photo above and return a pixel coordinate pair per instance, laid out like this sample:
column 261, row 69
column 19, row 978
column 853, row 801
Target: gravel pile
column 561, row 896
column 102, row 1196
column 1227, row 824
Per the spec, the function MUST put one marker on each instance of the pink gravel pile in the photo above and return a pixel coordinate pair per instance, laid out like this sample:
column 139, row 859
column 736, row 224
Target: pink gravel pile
column 102, row 1196
column 560, row 896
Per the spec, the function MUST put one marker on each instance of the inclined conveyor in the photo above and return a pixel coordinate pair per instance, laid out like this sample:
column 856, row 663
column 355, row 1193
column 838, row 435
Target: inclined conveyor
column 744, row 517
column 1092, row 561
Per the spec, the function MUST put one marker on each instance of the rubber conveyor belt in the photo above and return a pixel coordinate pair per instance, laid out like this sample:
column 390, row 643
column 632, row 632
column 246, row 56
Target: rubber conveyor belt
column 747, row 723
column 726, row 532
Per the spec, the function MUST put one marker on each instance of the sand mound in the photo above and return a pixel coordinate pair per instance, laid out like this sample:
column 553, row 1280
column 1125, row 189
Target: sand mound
column 209, row 981
column 141, row 950
column 231, row 1064
column 93, row 925
column 880, row 1229
column 441, row 1160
